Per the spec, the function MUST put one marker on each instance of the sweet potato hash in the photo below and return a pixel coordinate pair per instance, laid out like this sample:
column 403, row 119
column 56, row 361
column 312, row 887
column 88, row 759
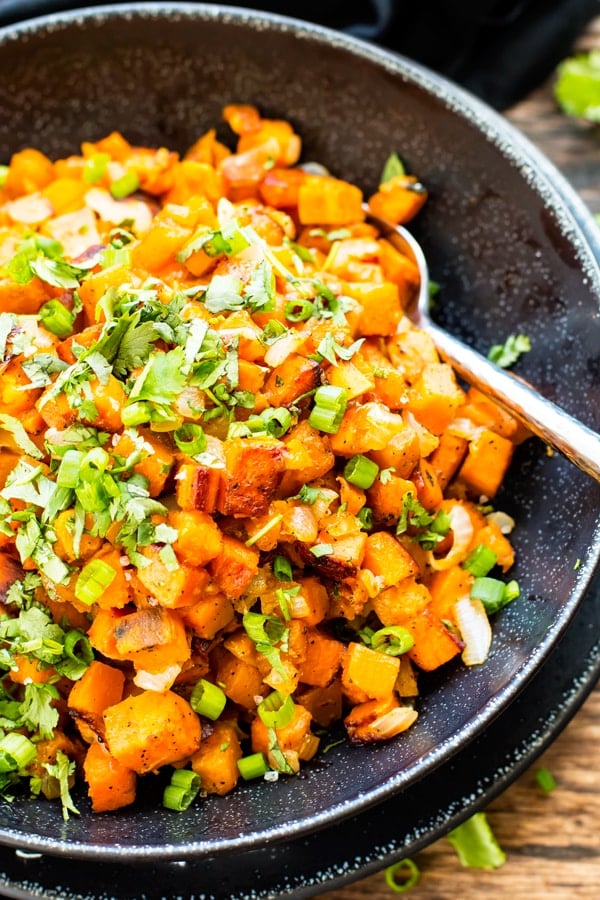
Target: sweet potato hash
column 241, row 497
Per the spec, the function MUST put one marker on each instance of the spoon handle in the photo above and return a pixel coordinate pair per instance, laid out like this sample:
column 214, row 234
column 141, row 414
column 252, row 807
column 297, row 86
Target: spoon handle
column 554, row 426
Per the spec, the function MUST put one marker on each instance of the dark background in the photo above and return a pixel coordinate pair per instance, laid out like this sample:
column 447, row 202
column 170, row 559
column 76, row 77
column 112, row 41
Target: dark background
column 498, row 49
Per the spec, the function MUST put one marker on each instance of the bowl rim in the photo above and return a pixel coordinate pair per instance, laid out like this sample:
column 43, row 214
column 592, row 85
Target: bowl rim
column 576, row 224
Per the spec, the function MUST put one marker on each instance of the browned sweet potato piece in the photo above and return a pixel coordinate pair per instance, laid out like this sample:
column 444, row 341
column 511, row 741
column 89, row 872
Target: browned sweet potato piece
column 111, row 785
column 254, row 468
column 10, row 571
column 293, row 378
column 234, row 567
column 151, row 730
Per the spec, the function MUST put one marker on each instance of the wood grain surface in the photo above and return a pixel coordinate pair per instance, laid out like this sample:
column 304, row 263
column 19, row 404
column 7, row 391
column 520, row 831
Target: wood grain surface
column 552, row 841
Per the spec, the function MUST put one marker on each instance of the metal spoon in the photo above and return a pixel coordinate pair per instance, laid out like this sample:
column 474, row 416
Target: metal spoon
column 553, row 425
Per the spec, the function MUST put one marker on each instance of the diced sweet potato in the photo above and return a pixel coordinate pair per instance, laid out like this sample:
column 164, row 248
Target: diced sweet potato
column 487, row 460
column 151, row 729
column 235, row 567
column 111, row 785
column 367, row 674
column 216, row 759
column 296, row 376
column 253, row 470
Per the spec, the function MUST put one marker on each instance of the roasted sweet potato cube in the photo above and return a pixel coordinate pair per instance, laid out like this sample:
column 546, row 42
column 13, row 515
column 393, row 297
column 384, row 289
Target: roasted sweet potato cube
column 197, row 486
column 254, row 469
column 234, row 567
column 293, row 378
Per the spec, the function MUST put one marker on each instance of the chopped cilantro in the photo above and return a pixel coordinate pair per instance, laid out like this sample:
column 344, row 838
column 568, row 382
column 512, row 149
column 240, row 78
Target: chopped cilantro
column 62, row 770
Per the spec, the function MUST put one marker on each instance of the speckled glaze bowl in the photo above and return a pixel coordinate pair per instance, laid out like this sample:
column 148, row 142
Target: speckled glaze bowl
column 513, row 250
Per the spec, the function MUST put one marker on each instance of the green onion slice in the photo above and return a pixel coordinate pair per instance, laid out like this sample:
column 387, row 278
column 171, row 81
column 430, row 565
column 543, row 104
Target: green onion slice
column 95, row 167
column 402, row 876
column 393, row 640
column 190, row 439
column 476, row 845
column 16, row 752
column 545, row 779
column 56, row 318
column 253, row 766
column 78, row 648
column 276, row 710
column 299, row 310
column 361, row 471
column 207, row 699
column 282, row 568
column 93, row 580
column 182, row 790
column 125, row 185
column 480, row 561
column 329, row 409
column 365, row 517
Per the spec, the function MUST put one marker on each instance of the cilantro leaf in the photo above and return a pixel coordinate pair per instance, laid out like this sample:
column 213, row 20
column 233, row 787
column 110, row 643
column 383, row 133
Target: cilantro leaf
column 37, row 710
column 62, row 770
column 57, row 272
column 223, row 293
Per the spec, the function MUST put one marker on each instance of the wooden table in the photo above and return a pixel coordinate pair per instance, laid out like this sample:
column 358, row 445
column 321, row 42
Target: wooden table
column 552, row 841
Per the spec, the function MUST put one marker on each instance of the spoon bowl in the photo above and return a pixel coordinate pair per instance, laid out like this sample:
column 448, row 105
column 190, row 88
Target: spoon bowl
column 543, row 418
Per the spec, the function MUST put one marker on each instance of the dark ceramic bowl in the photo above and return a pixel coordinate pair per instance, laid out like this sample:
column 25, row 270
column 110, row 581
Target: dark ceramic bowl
column 513, row 250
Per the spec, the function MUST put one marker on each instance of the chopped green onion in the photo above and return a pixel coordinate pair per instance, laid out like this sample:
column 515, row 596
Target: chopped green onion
column 494, row 594
column 277, row 710
column 190, row 439
column 182, row 790
column 545, row 779
column 93, row 580
column 70, row 468
column 320, row 550
column 329, row 409
column 3, row 175
column 262, row 629
column 125, row 185
column 207, row 699
column 115, row 256
column 253, row 766
column 16, row 751
column 136, row 413
column 278, row 421
column 393, row 640
column 264, row 530
column 361, row 471
column 282, row 568
column 490, row 591
column 402, row 876
column 95, row 167
column 507, row 354
column 299, row 310
column 56, row 318
column 365, row 517
column 78, row 648
column 476, row 845
column 480, row 561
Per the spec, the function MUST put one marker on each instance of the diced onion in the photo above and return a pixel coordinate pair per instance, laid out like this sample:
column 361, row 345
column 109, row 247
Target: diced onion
column 504, row 522
column 282, row 348
column 465, row 428
column 462, row 531
column 157, row 681
column 475, row 630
